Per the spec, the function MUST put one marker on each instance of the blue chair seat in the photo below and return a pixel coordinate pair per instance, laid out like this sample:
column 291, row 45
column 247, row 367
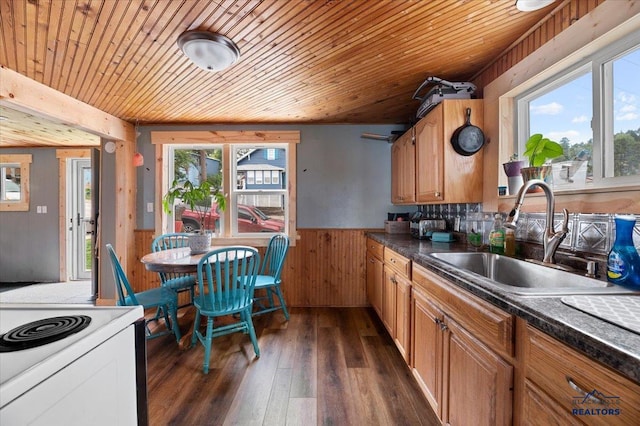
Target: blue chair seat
column 268, row 279
column 163, row 299
column 178, row 282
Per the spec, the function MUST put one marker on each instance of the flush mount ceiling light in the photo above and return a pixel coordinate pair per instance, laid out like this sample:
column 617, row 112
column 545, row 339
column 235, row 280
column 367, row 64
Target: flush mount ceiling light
column 209, row 51
column 531, row 5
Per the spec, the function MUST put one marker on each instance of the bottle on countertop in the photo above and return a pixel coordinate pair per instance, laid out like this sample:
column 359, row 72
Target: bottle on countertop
column 496, row 237
column 509, row 242
column 623, row 263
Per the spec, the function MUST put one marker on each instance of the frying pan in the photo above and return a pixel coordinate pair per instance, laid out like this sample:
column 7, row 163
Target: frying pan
column 467, row 139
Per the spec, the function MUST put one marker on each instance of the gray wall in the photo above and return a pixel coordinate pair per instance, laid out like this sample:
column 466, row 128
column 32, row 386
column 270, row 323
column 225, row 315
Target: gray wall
column 29, row 248
column 344, row 181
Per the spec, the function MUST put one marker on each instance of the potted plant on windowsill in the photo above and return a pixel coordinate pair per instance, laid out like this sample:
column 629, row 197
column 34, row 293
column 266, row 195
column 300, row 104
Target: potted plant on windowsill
column 513, row 170
column 198, row 199
column 539, row 150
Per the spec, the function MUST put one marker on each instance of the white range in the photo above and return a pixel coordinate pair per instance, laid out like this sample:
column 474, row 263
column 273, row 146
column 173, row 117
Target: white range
column 72, row 365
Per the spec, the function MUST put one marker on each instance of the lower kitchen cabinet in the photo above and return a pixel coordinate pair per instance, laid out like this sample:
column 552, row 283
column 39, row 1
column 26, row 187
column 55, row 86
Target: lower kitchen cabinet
column 457, row 341
column 563, row 386
column 396, row 303
column 375, row 271
column 427, row 355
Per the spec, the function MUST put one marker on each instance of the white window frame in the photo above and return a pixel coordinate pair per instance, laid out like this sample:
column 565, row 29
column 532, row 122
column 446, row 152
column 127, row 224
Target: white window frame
column 289, row 138
column 599, row 63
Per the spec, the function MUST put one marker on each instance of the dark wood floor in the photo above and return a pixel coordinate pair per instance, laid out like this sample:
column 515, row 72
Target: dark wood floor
column 326, row 366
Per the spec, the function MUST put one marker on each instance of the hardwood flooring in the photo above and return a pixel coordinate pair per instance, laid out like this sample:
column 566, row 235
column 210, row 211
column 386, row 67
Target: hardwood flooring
column 326, row 366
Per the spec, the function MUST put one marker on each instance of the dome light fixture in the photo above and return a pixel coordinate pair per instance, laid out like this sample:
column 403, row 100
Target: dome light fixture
column 209, row 51
column 531, row 5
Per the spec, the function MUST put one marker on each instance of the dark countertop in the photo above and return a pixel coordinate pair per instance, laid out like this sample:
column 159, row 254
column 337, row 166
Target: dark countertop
column 613, row 346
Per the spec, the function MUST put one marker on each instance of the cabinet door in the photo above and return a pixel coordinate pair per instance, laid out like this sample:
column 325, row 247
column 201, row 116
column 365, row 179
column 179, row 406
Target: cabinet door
column 430, row 155
column 389, row 300
column 479, row 388
column 374, row 282
column 426, row 353
column 396, row 172
column 402, row 336
column 403, row 158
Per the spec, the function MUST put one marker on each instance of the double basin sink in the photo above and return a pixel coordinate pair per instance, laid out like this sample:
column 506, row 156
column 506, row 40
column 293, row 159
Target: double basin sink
column 526, row 278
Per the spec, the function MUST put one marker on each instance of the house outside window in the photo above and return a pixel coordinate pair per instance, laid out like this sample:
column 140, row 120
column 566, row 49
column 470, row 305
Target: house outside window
column 593, row 110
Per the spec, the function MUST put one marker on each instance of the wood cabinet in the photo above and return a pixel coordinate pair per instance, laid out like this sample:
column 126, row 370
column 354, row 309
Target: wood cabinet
column 375, row 271
column 403, row 169
column 443, row 175
column 563, row 386
column 396, row 305
column 461, row 353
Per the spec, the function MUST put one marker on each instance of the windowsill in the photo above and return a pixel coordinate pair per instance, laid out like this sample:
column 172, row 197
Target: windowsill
column 620, row 199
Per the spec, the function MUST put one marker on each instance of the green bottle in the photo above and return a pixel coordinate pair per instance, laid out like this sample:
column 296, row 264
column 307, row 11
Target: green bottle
column 496, row 236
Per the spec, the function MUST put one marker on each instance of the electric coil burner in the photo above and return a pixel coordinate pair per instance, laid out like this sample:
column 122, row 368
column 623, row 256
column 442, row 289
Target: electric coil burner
column 41, row 332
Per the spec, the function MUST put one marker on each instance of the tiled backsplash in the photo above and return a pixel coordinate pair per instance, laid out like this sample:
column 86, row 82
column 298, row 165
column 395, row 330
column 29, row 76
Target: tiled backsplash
column 588, row 233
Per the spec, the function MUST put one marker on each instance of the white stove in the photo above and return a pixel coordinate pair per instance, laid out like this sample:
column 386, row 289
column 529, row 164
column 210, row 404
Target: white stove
column 86, row 365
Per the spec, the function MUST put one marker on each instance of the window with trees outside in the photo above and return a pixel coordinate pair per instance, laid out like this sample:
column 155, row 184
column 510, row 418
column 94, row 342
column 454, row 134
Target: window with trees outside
column 256, row 208
column 593, row 111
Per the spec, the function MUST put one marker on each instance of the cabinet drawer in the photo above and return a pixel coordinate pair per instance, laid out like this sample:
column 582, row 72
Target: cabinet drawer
column 397, row 262
column 490, row 324
column 570, row 379
column 375, row 248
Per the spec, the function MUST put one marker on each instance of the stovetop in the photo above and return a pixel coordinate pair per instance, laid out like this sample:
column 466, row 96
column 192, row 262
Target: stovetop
column 19, row 370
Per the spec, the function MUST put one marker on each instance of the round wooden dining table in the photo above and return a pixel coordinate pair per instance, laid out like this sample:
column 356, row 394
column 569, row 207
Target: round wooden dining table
column 177, row 260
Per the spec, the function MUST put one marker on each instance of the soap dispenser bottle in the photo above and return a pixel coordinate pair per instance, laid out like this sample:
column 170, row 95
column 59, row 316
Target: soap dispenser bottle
column 623, row 263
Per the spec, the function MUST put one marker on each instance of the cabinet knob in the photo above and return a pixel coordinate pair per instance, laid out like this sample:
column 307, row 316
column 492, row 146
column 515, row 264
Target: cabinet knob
column 437, row 194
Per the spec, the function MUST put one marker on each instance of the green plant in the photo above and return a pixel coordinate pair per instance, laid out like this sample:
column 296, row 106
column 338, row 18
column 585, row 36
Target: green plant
column 197, row 197
column 540, row 149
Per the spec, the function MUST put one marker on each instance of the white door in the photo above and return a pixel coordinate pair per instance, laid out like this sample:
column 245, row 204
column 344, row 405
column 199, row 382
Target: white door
column 81, row 221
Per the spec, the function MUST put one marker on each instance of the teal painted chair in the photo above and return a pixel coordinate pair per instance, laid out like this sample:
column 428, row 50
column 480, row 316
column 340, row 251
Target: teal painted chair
column 268, row 278
column 178, row 282
column 161, row 298
column 226, row 278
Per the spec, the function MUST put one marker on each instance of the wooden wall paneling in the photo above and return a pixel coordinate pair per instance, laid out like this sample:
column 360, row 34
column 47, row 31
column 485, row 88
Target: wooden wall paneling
column 325, row 268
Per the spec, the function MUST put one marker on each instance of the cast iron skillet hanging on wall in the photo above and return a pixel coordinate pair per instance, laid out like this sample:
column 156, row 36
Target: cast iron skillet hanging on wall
column 467, row 139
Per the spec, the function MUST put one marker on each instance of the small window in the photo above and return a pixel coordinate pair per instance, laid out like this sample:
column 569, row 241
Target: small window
column 275, row 177
column 271, row 153
column 259, row 177
column 14, row 182
column 251, row 177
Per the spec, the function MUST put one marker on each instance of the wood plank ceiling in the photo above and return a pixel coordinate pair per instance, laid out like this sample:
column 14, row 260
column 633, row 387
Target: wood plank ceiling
column 302, row 61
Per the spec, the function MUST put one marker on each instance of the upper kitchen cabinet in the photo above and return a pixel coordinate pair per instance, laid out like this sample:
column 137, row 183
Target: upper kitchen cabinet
column 443, row 175
column 403, row 169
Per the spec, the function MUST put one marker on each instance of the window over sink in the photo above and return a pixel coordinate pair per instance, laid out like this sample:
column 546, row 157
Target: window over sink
column 592, row 108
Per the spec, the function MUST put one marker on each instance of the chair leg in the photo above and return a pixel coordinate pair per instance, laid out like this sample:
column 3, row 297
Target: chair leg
column 207, row 345
column 175, row 327
column 196, row 328
column 282, row 304
column 246, row 316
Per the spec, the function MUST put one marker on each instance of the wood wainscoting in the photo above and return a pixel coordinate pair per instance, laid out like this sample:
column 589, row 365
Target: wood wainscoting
column 325, row 268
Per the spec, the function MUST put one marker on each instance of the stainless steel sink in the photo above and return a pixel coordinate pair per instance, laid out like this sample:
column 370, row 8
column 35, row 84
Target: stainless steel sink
column 527, row 278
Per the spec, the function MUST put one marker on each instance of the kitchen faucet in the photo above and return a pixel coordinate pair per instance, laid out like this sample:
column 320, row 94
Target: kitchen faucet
column 551, row 239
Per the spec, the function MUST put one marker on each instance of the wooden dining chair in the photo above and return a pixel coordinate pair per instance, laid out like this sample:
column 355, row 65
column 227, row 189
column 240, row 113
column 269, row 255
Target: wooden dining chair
column 268, row 278
column 178, row 282
column 226, row 278
column 161, row 298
